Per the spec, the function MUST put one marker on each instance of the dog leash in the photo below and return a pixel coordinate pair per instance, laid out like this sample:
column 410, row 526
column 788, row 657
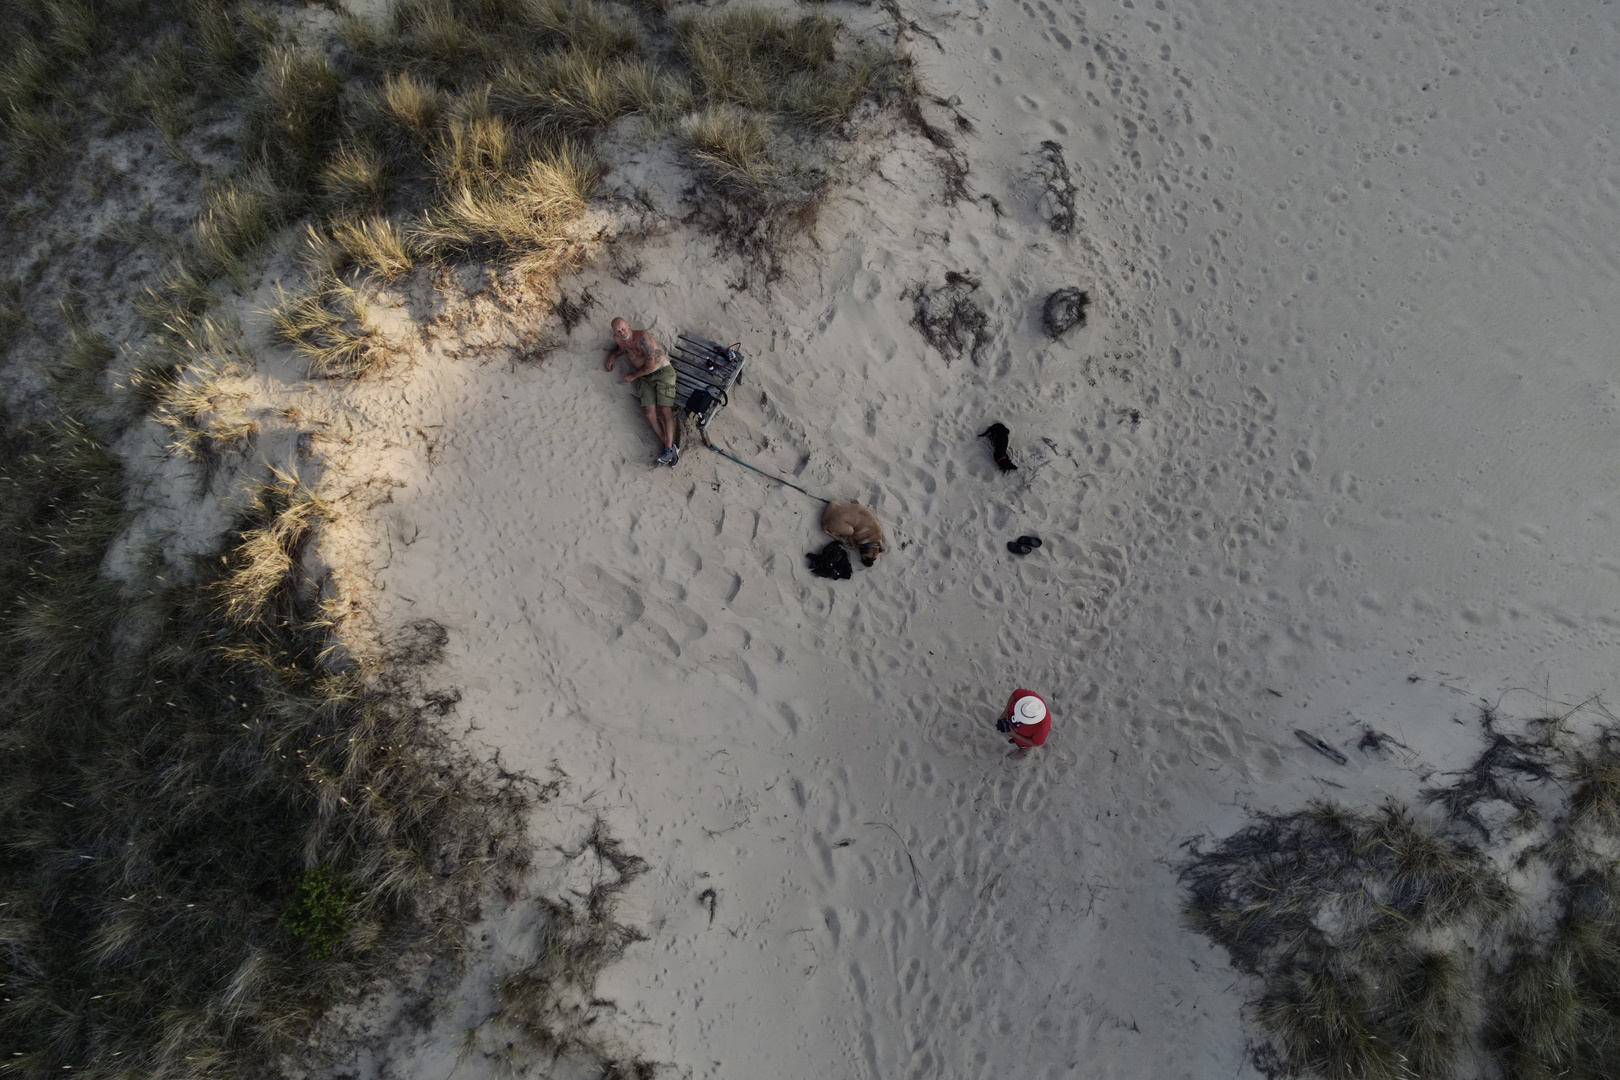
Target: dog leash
column 762, row 472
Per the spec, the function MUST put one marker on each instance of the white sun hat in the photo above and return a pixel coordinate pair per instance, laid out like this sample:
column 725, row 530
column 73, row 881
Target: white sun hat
column 1029, row 710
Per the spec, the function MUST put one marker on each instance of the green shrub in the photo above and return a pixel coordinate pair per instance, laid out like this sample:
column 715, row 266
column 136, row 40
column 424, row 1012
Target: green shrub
column 320, row 912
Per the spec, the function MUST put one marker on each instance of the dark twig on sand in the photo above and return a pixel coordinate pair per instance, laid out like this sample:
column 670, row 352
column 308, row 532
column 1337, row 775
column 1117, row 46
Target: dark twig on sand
column 915, row 876
column 1058, row 189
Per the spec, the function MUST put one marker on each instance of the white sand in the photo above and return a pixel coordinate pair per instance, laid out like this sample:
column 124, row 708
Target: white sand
column 1354, row 265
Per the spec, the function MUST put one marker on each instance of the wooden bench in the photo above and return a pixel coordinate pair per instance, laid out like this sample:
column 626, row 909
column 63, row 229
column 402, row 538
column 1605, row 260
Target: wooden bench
column 701, row 364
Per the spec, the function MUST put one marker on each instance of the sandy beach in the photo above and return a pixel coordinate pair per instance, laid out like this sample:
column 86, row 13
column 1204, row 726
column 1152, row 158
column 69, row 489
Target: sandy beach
column 1328, row 468
column 1331, row 453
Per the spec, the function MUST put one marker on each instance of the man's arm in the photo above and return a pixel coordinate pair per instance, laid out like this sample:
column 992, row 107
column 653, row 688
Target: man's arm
column 637, row 366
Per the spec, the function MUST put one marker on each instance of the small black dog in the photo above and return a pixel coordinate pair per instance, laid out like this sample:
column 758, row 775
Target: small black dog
column 997, row 433
column 831, row 561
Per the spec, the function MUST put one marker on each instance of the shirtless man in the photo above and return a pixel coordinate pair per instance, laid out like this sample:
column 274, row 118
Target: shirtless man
column 654, row 377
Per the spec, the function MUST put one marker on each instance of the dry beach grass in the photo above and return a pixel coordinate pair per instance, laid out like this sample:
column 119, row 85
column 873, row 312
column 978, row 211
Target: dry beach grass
column 1398, row 943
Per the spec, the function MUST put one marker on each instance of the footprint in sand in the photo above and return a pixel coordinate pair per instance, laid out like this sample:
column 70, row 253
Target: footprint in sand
column 620, row 608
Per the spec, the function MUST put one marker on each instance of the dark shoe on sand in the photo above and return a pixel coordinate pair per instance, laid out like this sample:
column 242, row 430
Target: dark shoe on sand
column 1018, row 547
column 1030, row 541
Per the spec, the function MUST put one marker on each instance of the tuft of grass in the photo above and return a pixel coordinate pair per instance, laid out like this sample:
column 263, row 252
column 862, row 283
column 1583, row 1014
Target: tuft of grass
column 477, row 149
column 355, row 178
column 582, row 26
column 376, row 244
column 78, row 377
column 411, row 105
column 442, row 41
column 31, row 125
column 733, row 146
column 526, row 217
column 181, row 297
column 1548, row 1025
column 204, row 415
column 327, row 325
column 186, row 385
column 230, row 41
column 237, row 217
column 751, row 57
column 295, row 120
column 577, row 93
column 158, row 87
column 268, row 553
column 1426, row 879
column 1595, row 803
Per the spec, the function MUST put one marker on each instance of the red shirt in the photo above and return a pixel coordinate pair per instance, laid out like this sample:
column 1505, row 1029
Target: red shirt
column 1029, row 734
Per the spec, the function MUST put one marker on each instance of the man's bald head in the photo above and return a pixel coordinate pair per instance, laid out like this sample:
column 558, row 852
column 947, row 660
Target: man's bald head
column 621, row 329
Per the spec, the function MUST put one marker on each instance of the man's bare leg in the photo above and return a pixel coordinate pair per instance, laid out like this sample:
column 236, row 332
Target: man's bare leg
column 668, row 414
column 656, row 422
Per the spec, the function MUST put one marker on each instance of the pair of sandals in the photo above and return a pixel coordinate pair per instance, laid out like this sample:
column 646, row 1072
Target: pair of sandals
column 1023, row 545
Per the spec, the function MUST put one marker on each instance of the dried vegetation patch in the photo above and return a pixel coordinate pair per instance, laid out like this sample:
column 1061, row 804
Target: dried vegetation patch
column 1478, row 936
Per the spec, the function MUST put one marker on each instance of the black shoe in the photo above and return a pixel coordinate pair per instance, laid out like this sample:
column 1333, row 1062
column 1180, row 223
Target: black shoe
column 1018, row 547
column 1030, row 541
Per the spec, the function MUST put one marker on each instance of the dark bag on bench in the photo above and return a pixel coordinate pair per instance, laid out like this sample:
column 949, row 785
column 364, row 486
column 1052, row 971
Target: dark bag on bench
column 701, row 401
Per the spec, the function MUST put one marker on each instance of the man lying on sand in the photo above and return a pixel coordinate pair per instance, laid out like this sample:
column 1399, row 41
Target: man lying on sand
column 654, row 377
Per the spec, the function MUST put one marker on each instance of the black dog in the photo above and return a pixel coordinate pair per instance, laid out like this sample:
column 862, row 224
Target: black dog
column 831, row 561
column 997, row 433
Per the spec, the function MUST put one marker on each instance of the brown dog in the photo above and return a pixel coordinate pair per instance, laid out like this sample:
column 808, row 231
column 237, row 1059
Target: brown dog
column 854, row 524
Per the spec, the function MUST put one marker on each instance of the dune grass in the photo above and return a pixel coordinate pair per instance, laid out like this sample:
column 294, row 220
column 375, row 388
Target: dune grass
column 376, row 244
column 178, row 760
column 327, row 325
column 441, row 130
column 1388, row 945
column 733, row 145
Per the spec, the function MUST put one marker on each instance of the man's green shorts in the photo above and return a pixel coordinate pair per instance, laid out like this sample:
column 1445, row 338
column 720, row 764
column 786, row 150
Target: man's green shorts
column 658, row 387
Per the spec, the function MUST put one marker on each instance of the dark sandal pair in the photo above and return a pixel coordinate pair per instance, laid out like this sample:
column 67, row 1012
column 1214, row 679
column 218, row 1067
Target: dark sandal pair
column 1023, row 545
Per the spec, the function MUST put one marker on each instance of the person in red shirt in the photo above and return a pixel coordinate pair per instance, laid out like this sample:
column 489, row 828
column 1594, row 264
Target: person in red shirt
column 1026, row 721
